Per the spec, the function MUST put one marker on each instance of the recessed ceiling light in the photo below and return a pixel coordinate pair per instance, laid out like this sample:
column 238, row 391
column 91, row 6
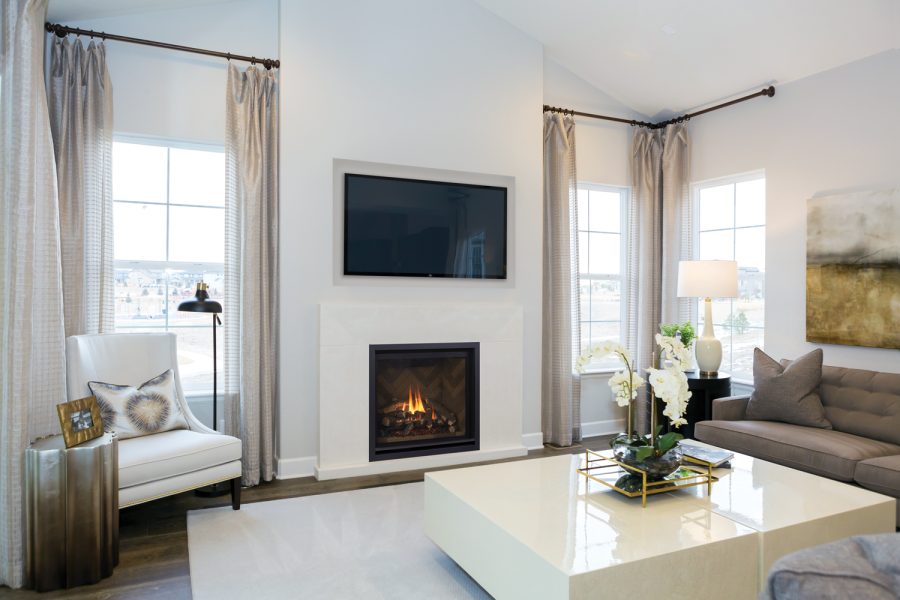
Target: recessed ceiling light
column 668, row 29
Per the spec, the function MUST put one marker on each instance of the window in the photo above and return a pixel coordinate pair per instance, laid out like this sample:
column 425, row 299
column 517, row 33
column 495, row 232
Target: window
column 732, row 226
column 168, row 211
column 601, row 251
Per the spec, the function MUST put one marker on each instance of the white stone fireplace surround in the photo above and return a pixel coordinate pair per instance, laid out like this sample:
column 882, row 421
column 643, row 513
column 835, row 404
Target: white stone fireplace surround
column 345, row 333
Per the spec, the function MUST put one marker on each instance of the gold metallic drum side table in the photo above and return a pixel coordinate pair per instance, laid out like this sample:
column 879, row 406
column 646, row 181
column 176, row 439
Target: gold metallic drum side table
column 72, row 512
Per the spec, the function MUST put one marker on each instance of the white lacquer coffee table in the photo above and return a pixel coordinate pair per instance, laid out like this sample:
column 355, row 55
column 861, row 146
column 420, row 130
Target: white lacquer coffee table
column 538, row 529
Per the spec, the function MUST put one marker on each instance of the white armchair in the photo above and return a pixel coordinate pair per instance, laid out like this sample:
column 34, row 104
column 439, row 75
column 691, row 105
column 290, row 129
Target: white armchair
column 161, row 464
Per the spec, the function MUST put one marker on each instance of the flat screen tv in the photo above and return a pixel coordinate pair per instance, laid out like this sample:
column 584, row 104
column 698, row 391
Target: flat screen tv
column 420, row 228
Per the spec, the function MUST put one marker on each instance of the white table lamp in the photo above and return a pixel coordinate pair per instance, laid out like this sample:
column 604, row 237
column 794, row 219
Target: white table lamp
column 708, row 279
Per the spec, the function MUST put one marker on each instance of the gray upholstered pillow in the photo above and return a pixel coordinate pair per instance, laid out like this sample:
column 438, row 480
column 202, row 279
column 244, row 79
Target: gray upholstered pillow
column 787, row 394
column 135, row 411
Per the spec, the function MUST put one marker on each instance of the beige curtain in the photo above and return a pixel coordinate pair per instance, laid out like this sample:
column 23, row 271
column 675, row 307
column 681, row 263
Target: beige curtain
column 251, row 267
column 32, row 349
column 677, row 221
column 659, row 234
column 80, row 95
column 561, row 386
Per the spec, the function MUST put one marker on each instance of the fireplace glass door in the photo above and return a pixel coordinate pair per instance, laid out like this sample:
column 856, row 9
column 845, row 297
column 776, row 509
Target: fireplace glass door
column 423, row 399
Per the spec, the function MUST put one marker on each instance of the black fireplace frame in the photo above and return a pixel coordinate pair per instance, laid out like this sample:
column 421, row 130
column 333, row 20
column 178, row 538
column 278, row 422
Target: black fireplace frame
column 472, row 439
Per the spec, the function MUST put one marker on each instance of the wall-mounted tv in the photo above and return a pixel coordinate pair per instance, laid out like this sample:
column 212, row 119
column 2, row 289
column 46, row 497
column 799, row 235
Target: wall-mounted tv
column 420, row 228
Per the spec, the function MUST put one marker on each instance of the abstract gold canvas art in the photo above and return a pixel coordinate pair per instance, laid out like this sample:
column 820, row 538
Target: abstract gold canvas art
column 853, row 269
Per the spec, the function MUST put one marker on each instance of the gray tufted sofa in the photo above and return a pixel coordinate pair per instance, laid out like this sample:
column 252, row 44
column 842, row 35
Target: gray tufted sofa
column 863, row 448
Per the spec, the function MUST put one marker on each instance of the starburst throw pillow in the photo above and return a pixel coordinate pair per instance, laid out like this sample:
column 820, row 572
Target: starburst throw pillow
column 135, row 411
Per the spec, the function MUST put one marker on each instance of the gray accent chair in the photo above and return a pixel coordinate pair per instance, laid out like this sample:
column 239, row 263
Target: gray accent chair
column 863, row 448
column 865, row 566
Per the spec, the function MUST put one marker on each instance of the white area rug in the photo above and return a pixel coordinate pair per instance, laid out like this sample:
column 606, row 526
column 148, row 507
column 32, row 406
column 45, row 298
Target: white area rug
column 364, row 544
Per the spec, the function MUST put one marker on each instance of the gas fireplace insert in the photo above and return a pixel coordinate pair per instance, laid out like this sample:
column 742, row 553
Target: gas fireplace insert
column 423, row 399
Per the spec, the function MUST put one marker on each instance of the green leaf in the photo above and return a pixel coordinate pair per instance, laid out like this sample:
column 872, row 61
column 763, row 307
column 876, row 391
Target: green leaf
column 643, row 453
column 666, row 442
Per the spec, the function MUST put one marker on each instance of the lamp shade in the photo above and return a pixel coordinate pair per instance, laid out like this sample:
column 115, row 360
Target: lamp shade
column 707, row 279
column 201, row 302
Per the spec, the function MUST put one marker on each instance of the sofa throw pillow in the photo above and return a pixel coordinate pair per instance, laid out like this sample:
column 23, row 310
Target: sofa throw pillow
column 135, row 411
column 787, row 394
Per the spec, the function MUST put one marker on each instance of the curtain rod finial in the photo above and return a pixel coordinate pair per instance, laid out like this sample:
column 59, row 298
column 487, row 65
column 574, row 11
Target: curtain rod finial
column 770, row 91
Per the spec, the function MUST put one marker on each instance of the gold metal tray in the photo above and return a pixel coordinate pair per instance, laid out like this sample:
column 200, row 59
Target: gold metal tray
column 607, row 471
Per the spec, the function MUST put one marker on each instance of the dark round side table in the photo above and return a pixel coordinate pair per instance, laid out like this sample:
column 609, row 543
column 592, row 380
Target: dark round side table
column 704, row 389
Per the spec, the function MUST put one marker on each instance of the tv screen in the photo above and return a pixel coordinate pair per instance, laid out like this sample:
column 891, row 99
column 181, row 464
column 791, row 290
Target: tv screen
column 419, row 228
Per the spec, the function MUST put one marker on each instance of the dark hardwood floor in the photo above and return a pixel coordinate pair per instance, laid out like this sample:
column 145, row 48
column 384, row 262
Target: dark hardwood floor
column 153, row 549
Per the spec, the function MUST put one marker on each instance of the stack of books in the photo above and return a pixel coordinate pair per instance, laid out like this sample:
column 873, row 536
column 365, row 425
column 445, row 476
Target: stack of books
column 705, row 456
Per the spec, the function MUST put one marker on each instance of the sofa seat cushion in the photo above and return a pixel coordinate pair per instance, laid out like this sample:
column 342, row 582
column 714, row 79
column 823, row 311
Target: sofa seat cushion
column 825, row 452
column 880, row 474
column 170, row 453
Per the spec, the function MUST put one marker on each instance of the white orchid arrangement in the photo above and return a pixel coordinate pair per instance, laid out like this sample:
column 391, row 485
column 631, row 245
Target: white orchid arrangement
column 624, row 384
column 669, row 384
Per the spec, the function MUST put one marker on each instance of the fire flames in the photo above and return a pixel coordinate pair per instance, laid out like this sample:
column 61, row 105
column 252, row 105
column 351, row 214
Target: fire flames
column 415, row 403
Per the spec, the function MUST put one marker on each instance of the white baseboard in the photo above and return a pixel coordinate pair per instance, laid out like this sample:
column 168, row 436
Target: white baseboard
column 417, row 462
column 595, row 428
column 533, row 441
column 289, row 468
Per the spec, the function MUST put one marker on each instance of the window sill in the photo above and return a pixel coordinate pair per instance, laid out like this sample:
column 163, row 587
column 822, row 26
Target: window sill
column 599, row 372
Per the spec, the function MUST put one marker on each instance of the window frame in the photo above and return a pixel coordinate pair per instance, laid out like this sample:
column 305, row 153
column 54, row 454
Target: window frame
column 695, row 188
column 624, row 193
column 166, row 265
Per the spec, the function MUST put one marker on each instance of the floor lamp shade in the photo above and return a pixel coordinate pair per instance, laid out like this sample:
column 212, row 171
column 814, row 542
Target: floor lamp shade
column 201, row 302
column 708, row 279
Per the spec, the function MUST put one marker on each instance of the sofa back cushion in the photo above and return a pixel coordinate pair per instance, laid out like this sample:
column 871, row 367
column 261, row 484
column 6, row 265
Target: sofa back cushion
column 864, row 403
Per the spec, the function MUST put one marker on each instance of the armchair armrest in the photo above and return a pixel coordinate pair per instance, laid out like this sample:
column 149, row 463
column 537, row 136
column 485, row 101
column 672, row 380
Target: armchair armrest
column 732, row 408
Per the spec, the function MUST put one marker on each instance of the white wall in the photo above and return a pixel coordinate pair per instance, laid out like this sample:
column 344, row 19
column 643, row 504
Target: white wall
column 834, row 131
column 602, row 147
column 168, row 94
column 434, row 84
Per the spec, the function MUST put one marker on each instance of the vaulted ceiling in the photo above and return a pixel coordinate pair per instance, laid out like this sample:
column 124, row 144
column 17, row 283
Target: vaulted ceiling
column 664, row 57
column 77, row 10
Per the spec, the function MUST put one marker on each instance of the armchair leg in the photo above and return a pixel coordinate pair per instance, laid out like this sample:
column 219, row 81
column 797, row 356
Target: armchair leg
column 236, row 493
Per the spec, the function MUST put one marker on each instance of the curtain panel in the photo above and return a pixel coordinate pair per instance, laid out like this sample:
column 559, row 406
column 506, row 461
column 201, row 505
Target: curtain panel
column 561, row 386
column 660, row 234
column 32, row 339
column 251, row 267
column 81, row 118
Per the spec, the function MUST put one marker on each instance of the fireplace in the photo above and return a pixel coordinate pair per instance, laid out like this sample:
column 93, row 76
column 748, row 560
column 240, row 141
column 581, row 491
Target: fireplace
column 423, row 399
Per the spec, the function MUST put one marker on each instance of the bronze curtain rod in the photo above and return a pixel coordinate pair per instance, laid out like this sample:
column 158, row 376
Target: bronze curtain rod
column 63, row 30
column 769, row 91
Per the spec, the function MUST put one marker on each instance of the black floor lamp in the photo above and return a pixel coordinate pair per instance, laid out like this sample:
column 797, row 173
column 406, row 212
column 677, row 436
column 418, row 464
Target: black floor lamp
column 202, row 304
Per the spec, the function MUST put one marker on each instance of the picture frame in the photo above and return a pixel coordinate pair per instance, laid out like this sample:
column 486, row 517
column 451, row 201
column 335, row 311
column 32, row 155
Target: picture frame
column 80, row 420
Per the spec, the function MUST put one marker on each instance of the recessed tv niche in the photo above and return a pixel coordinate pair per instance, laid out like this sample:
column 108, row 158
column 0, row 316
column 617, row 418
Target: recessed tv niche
column 419, row 228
